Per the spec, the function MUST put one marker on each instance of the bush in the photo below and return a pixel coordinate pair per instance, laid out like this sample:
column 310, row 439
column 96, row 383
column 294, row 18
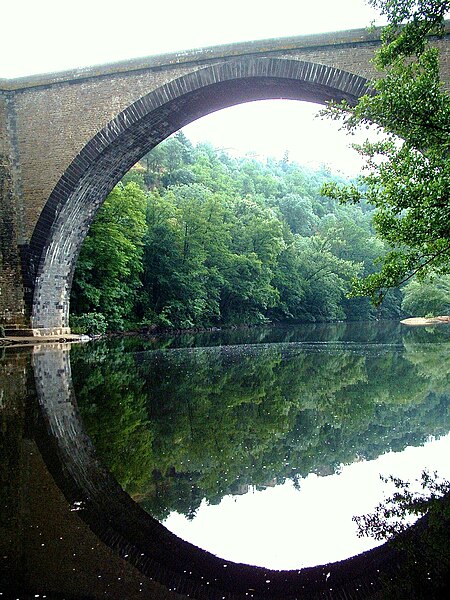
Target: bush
column 92, row 323
column 429, row 298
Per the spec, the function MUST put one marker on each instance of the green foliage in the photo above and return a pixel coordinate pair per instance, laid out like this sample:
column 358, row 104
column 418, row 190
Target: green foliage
column 425, row 551
column 423, row 298
column 396, row 513
column 112, row 395
column 225, row 241
column 107, row 276
column 409, row 23
column 408, row 178
column 237, row 245
column 136, row 176
column 325, row 276
column 92, row 323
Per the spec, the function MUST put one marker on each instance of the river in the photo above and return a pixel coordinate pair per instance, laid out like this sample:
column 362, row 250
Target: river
column 258, row 445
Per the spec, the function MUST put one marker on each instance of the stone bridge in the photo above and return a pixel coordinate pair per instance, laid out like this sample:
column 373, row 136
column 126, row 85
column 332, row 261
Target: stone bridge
column 67, row 138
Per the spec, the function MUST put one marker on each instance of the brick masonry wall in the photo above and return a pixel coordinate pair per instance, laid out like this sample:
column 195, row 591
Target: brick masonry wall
column 11, row 289
column 55, row 122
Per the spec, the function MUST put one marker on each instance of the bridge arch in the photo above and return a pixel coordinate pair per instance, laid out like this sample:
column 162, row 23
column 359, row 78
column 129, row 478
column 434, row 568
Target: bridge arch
column 71, row 207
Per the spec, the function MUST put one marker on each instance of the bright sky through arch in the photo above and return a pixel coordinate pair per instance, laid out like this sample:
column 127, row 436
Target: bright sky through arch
column 269, row 128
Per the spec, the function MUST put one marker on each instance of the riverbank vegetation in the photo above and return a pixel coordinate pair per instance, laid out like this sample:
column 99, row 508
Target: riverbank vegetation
column 407, row 179
column 193, row 237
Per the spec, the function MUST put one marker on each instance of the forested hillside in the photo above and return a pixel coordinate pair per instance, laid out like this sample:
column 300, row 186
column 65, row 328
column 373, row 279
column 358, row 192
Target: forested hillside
column 193, row 237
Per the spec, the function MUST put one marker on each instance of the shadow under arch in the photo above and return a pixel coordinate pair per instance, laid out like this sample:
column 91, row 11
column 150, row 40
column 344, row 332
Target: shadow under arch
column 71, row 207
column 125, row 527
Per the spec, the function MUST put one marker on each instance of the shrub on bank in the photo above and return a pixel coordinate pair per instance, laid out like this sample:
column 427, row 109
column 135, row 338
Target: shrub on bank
column 92, row 323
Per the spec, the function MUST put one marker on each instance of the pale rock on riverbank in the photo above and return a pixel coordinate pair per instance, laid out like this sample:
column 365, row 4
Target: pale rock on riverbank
column 426, row 320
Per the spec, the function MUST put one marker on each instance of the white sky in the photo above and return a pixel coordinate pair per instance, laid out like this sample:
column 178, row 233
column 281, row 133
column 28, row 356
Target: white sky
column 315, row 526
column 270, row 127
column 53, row 35
column 50, row 35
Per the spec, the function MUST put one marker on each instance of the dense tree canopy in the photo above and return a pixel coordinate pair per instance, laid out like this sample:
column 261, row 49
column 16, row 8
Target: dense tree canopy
column 208, row 239
column 108, row 272
column 408, row 167
column 427, row 297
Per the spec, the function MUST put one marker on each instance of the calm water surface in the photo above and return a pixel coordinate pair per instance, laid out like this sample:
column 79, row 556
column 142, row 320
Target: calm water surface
column 260, row 445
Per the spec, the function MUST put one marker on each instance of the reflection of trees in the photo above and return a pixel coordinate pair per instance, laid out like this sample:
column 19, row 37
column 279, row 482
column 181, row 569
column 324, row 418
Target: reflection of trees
column 181, row 425
column 432, row 365
column 425, row 549
column 113, row 406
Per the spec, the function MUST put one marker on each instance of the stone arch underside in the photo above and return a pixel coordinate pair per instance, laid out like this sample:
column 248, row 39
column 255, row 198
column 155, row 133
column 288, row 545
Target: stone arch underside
column 71, row 207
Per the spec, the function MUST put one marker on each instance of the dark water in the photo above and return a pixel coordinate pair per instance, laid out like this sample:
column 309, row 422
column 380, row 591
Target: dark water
column 273, row 436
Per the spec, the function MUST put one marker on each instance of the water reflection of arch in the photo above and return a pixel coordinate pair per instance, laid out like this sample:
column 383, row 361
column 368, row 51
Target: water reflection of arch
column 123, row 526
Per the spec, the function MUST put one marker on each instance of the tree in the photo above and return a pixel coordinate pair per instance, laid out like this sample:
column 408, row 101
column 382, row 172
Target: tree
column 299, row 214
column 184, row 228
column 425, row 550
column 325, row 278
column 107, row 279
column 427, row 297
column 407, row 178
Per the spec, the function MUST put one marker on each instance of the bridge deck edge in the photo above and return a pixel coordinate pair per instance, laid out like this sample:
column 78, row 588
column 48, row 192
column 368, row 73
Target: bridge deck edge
column 184, row 57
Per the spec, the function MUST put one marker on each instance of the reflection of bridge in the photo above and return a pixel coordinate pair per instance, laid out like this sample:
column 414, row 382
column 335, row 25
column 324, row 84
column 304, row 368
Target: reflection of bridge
column 110, row 534
column 66, row 139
